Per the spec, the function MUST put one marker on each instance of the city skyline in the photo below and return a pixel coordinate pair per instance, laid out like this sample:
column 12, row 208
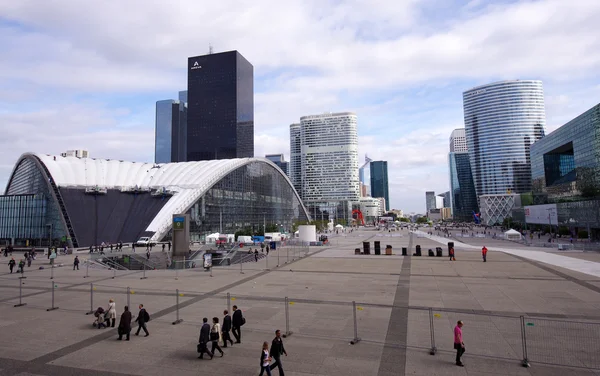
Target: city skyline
column 97, row 90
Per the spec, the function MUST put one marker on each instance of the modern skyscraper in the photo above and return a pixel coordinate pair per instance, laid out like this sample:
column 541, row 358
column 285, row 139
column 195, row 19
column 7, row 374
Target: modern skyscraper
column 329, row 157
column 429, row 201
column 379, row 181
column 170, row 133
column 458, row 141
column 365, row 190
column 296, row 158
column 463, row 198
column 502, row 120
column 279, row 160
column 220, row 107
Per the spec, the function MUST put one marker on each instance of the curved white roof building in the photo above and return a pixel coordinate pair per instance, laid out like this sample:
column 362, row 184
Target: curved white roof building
column 87, row 201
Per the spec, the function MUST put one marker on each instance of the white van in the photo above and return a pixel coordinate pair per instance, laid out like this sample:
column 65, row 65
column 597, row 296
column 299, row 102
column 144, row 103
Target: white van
column 144, row 240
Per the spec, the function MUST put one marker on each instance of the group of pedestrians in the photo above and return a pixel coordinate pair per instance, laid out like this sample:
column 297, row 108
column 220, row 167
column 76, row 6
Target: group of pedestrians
column 108, row 317
column 217, row 333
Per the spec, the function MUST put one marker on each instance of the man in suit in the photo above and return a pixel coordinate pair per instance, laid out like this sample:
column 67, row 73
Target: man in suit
column 226, row 328
column 237, row 323
column 277, row 350
column 204, row 339
column 142, row 319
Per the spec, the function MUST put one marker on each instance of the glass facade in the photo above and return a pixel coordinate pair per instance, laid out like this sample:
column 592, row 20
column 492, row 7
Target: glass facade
column 463, row 198
column 279, row 160
column 27, row 211
column 170, row 134
column 249, row 197
column 220, row 118
column 379, row 181
column 502, row 120
column 296, row 158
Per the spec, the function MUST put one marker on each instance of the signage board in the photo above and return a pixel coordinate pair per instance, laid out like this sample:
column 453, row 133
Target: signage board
column 541, row 214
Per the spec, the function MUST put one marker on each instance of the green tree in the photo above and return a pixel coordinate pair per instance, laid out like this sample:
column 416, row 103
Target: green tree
column 404, row 219
column 422, row 220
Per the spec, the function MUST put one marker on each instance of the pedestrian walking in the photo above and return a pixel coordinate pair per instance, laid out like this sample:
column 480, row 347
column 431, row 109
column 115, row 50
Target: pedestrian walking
column 203, row 340
column 29, row 259
column 11, row 264
column 484, row 253
column 236, row 324
column 451, row 254
column 163, row 247
column 169, row 244
column 277, row 350
column 459, row 345
column 142, row 319
column 112, row 312
column 21, row 266
column 76, row 263
column 265, row 360
column 52, row 257
column 124, row 328
column 148, row 255
column 133, row 247
column 215, row 336
column 256, row 255
column 226, row 328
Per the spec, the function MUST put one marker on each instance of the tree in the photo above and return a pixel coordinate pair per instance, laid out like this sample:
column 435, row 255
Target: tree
column 422, row 220
column 404, row 219
column 272, row 227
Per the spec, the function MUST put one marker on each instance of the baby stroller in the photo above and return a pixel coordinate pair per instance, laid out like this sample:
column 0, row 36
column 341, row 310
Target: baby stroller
column 100, row 314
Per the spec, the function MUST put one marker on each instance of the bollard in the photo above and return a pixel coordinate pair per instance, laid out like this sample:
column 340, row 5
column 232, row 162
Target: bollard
column 21, row 304
column 53, row 307
column 287, row 250
column 128, row 293
column 91, row 300
column 228, row 302
column 87, row 269
column 287, row 318
column 267, row 258
column 356, row 339
column 525, row 361
column 278, row 258
column 178, row 320
column 242, row 264
column 144, row 277
column 176, row 272
column 114, row 274
column 433, row 349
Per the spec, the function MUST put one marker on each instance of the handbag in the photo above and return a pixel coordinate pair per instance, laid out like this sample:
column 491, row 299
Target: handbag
column 214, row 336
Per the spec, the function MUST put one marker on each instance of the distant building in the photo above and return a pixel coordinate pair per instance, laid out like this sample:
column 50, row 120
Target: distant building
column 279, row 160
column 445, row 199
column 170, row 130
column 429, row 201
column 79, row 153
column 502, row 120
column 439, row 202
column 295, row 167
column 379, row 181
column 495, row 208
column 463, row 199
column 439, row 214
column 365, row 190
column 220, row 107
column 458, row 141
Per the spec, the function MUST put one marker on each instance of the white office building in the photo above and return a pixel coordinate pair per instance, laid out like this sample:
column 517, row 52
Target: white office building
column 458, row 141
column 329, row 157
column 295, row 168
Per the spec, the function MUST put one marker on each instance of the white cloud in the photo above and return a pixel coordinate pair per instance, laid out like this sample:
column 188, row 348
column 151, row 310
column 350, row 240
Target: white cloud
column 386, row 60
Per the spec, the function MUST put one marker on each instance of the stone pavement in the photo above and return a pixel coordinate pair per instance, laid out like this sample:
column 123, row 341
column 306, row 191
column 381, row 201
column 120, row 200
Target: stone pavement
column 395, row 298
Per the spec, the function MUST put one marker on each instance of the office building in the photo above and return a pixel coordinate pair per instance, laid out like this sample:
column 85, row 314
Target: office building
column 463, row 198
column 220, row 118
column 445, row 199
column 78, row 202
column 295, row 167
column 170, row 130
column 329, row 157
column 458, row 141
column 279, row 160
column 566, row 173
column 496, row 208
column 365, row 190
column 379, row 181
column 502, row 120
column 429, row 201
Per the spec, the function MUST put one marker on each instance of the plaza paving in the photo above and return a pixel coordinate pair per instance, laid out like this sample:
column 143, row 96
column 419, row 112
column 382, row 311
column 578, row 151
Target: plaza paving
column 395, row 298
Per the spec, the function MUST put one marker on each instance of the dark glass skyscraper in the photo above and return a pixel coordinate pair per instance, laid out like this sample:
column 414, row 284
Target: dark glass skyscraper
column 220, row 118
column 462, row 189
column 170, row 145
column 379, row 181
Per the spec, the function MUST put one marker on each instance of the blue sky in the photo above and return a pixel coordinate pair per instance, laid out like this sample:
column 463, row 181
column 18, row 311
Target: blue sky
column 89, row 77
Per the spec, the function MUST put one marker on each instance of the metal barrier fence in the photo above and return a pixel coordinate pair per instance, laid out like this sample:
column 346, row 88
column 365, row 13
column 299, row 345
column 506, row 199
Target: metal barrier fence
column 516, row 338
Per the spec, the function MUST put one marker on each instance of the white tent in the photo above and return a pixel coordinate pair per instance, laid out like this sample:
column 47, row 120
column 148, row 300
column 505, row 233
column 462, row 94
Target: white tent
column 212, row 238
column 512, row 235
column 339, row 226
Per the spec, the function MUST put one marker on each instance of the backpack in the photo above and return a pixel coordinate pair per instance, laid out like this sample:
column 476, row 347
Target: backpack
column 146, row 316
column 243, row 320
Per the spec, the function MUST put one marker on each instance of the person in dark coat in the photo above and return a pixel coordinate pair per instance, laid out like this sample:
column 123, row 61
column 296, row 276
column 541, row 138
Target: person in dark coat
column 125, row 324
column 236, row 324
column 204, row 339
column 226, row 328
column 11, row 264
column 21, row 266
column 76, row 263
column 277, row 350
column 142, row 319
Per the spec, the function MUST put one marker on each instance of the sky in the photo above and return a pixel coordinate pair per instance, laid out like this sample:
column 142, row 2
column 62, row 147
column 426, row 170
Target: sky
column 86, row 75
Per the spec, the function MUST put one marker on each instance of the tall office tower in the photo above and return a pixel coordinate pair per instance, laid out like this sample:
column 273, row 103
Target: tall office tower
column 429, row 201
column 279, row 160
column 329, row 157
column 296, row 158
column 183, row 96
column 379, row 182
column 463, row 198
column 365, row 191
column 502, row 120
column 446, row 199
column 170, row 135
column 220, row 107
column 458, row 141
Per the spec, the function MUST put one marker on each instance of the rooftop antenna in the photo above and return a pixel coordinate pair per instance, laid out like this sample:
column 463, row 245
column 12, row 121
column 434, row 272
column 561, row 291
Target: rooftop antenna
column 210, row 49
